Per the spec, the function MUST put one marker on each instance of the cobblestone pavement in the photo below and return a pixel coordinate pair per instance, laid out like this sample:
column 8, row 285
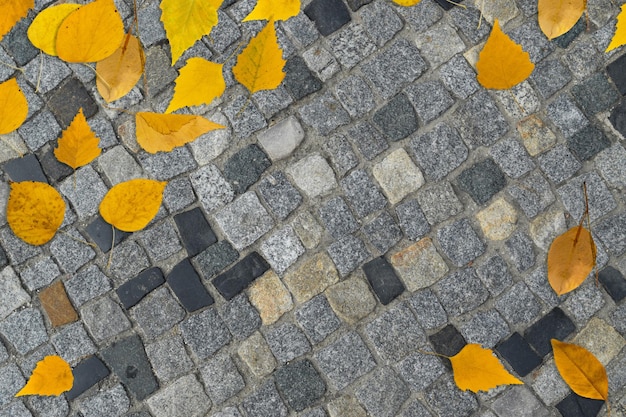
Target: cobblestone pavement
column 379, row 204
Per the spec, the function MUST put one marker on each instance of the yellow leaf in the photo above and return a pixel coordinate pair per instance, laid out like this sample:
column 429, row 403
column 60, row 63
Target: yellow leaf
column 260, row 65
column 619, row 37
column 502, row 63
column 274, row 10
column 164, row 132
column 582, row 371
column 118, row 73
column 35, row 211
column 78, row 144
column 90, row 33
column 186, row 21
column 557, row 17
column 51, row 376
column 12, row 12
column 199, row 82
column 477, row 369
column 131, row 205
column 43, row 31
column 13, row 106
column 571, row 258
column 406, row 3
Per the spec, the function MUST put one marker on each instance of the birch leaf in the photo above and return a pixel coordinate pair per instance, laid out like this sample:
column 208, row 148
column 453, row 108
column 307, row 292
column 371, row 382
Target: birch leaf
column 78, row 144
column 118, row 73
column 406, row 3
column 582, row 371
column 619, row 37
column 131, row 205
column 13, row 106
column 199, row 82
column 571, row 258
column 274, row 10
column 477, row 369
column 51, row 376
column 12, row 12
column 557, row 17
column 42, row 32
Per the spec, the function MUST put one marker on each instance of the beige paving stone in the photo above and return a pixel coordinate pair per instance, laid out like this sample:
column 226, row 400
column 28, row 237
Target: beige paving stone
column 311, row 277
column 313, row 175
column 419, row 265
column 351, row 299
column 10, row 145
column 546, row 227
column 269, row 295
column 601, row 339
column 281, row 139
column 398, row 175
column 308, row 229
column 255, row 352
column 536, row 136
column 472, row 54
column 497, row 220
column 345, row 406
column 503, row 10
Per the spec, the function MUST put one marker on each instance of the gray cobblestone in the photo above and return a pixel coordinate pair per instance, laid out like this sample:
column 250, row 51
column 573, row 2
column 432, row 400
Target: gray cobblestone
column 383, row 393
column 412, row 220
column 461, row 291
column 342, row 156
column 533, row 194
column 265, row 402
column 128, row 260
column 347, row 253
column 157, row 313
column 439, row 44
column 166, row 165
column 600, row 199
column 479, row 121
column 39, row 274
column 380, row 22
column 549, row 76
column 109, row 402
column 11, row 382
column 24, row 330
column 395, row 333
column 362, row 193
column 368, row 139
column 350, row 45
column 429, row 98
column 221, row 377
column 495, row 275
column 317, row 319
column 345, row 360
column 439, row 151
column 584, row 302
column 518, row 305
column 278, row 193
column 512, row 158
column 521, row 250
column 422, row 16
column 99, row 329
column 72, row 343
column 559, row 164
column 383, row 232
column 445, row 400
column 205, row 333
column 486, row 328
column 169, row 358
column 85, row 202
column 566, row 116
column 460, row 242
column 459, row 77
column 325, row 114
column 185, row 396
column 244, row 221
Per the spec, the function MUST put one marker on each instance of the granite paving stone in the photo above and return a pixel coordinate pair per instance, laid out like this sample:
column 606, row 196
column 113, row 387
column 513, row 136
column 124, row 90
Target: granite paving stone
column 520, row 101
column 445, row 400
column 439, row 44
column 614, row 69
column 116, row 322
column 109, row 402
column 313, row 175
column 459, row 78
column 382, row 232
column 161, row 241
column 465, row 18
column 39, row 274
column 599, row 198
column 380, row 22
column 311, row 277
column 72, row 343
column 282, row 249
column 609, row 163
column 221, row 377
column 412, row 220
column 383, row 393
column 215, row 258
column 244, row 220
column 24, row 330
column 519, row 401
column 317, row 319
column 17, row 250
column 536, row 135
column 320, row 61
column 302, row 29
column 486, row 328
column 512, row 158
column 566, row 116
column 612, row 232
column 270, row 297
column 422, row 16
column 618, row 118
column 324, row 114
column 50, row 406
column 16, row 409
column 56, row 171
column 185, row 396
column 281, row 139
column 369, row 141
column 212, row 189
column 533, row 194
column 397, row 119
column 461, row 291
column 419, row 265
column 10, row 383
column 439, row 202
column 265, row 401
column 588, row 142
column 355, row 95
column 602, row 340
column 91, row 187
column 348, row 253
column 429, row 98
column 439, row 151
column 537, row 281
column 328, row 15
column 460, row 242
column 419, row 370
column 584, row 303
column 394, row 333
column 518, row 305
column 241, row 318
column 65, row 102
column 595, row 94
column 351, row 299
column 245, row 167
column 550, row 76
column 342, row 156
column 300, row 383
column 532, row 40
column 167, row 165
column 521, row 251
column 157, row 313
column 428, row 310
column 547, row 385
column 169, row 358
column 350, row 45
column 497, row 220
column 559, row 163
column 482, row 180
column 479, row 120
column 279, row 194
column 247, row 121
column 287, row 342
column 101, row 233
column 256, row 354
column 205, row 333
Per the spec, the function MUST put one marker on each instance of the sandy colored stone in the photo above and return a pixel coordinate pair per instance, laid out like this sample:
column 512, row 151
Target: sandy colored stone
column 308, row 229
column 351, row 299
column 600, row 339
column 270, row 297
column 10, row 144
column 472, row 54
column 419, row 265
column 536, row 136
column 56, row 305
column 497, row 220
column 397, row 175
column 345, row 406
column 255, row 352
column 311, row 277
column 546, row 227
column 503, row 10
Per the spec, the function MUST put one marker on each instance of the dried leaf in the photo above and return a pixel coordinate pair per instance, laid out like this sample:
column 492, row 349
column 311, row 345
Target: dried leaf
column 78, row 144
column 619, row 37
column 199, row 82
column 131, row 205
column 164, row 132
column 582, row 371
column 12, row 12
column 274, row 10
column 13, row 106
column 51, row 376
column 557, row 17
column 571, row 258
column 119, row 73
column 90, row 33
column 35, row 211
column 477, row 369
column 502, row 63
column 42, row 33
column 406, row 3
column 260, row 65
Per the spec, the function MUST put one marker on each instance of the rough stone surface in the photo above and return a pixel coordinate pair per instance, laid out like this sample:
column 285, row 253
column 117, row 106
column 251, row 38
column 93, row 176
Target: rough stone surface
column 313, row 175
column 419, row 265
column 497, row 220
column 345, row 360
column 269, row 295
column 311, row 277
column 351, row 299
column 244, row 220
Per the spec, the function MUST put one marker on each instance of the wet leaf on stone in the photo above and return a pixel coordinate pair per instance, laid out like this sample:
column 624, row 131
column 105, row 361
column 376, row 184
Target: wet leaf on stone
column 51, row 376
column 557, row 17
column 571, row 258
column 619, row 37
column 13, row 106
column 581, row 370
column 78, row 144
column 118, row 73
column 199, row 82
column 477, row 369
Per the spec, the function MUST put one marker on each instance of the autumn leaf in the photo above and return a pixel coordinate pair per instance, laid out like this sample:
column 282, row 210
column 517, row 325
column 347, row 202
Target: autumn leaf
column 186, row 21
column 13, row 106
column 90, row 33
column 477, row 369
column 12, row 12
column 571, row 258
column 35, row 211
column 406, row 3
column 558, row 17
column 199, row 82
column 502, row 63
column 582, row 371
column 274, row 10
column 619, row 37
column 51, row 376
column 164, row 132
column 131, row 205
column 260, row 65
column 118, row 73
column 42, row 32
column 78, row 144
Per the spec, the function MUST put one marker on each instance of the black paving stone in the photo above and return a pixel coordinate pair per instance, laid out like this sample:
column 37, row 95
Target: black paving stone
column 67, row 100
column 185, row 282
column 300, row 384
column 87, row 373
column 101, row 233
column 576, row 406
column 299, row 80
column 447, row 341
column 383, row 280
column 195, row 231
column 17, row 45
column 26, row 168
column 588, row 142
column 328, row 15
column 55, row 170
column 518, row 353
column 396, row 119
column 127, row 358
column 482, row 181
column 618, row 117
column 245, row 167
column 554, row 325
column 595, row 94
column 215, row 258
column 617, row 72
column 565, row 39
column 445, row 4
column 237, row 278
column 132, row 291
column 614, row 283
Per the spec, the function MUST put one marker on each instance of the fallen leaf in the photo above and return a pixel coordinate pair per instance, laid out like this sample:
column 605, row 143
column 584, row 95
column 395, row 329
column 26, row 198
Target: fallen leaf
column 90, row 33
column 571, row 258
column 131, row 205
column 12, row 12
column 51, row 376
column 406, row 3
column 477, row 369
column 78, row 144
column 163, row 132
column 118, row 73
column 582, row 371
column 199, row 82
column 502, row 63
column 619, row 37
column 260, row 65
column 35, row 211
column 557, row 17
column 186, row 21
column 274, row 10
column 13, row 106
column 42, row 32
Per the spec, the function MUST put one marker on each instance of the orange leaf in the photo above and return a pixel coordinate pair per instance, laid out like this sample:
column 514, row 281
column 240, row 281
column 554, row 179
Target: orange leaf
column 619, row 36
column 118, row 73
column 78, row 145
column 35, row 211
column 13, row 106
column 502, row 63
column 477, row 369
column 571, row 258
column 406, row 3
column 43, row 31
column 274, row 10
column 51, row 376
column 12, row 12
column 557, row 17
column 200, row 82
column 164, row 132
column 131, row 205
column 582, row 371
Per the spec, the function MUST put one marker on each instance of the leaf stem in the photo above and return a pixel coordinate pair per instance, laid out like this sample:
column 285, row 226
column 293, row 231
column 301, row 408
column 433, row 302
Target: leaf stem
column 84, row 242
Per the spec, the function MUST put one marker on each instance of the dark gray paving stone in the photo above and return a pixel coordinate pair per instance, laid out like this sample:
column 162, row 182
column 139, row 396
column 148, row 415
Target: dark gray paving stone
column 554, row 325
column 618, row 118
column 157, row 313
column 485, row 328
column 460, row 242
column 17, row 44
column 101, row 233
column 299, row 80
column 24, row 330
column 215, row 258
column 482, row 180
column 345, row 360
column 600, row 199
column 195, row 232
column 287, row 342
column 559, row 164
column 479, row 120
column 439, row 151
column 380, row 21
column 338, row 218
column 521, row 250
column 68, row 99
column 205, row 333
column 461, row 291
column 448, row 342
column 459, row 77
column 368, row 139
column 383, row 232
column 518, row 305
column 328, row 15
column 87, row 373
column 300, row 384
column 383, row 393
column 245, row 167
column 348, row 253
column 566, row 116
column 26, row 168
column 533, row 41
column 412, row 220
column 265, row 401
column 131, row 292
column 397, row 118
column 164, row 166
column 565, row 39
column 221, row 378
column 278, row 193
column 56, row 171
column 588, row 142
column 614, row 283
column 241, row 318
column 518, row 353
column 576, row 406
column 616, row 71
column 533, row 194
column 495, row 275
column 324, row 114
column 383, row 280
column 185, row 282
column 595, row 94
column 428, row 310
column 362, row 193
column 512, row 158
column 549, row 76
column 236, row 279
column 317, row 319
column 465, row 18
column 342, row 157
column 429, row 98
